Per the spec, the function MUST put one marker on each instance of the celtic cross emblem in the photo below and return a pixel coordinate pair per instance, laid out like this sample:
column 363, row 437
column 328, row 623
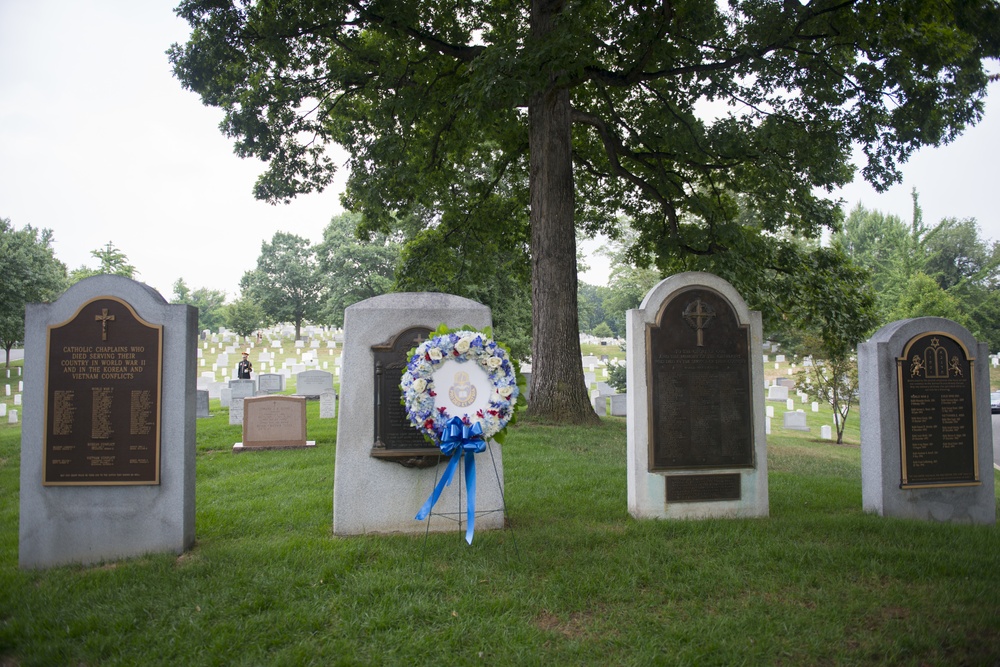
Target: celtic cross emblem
column 698, row 314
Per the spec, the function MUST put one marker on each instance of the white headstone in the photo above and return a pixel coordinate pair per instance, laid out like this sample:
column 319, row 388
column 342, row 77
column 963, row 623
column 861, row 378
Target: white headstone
column 789, row 404
column 777, row 393
column 12, row 417
column 17, row 399
column 328, row 404
column 201, row 404
column 270, row 383
column 826, row 432
column 795, row 421
column 815, row 406
column 313, row 383
column 769, row 411
column 242, row 388
column 3, row 409
column 235, row 411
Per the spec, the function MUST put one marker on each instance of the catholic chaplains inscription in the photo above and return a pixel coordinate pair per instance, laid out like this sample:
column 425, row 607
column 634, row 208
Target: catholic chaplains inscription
column 103, row 398
column 937, row 410
column 700, row 395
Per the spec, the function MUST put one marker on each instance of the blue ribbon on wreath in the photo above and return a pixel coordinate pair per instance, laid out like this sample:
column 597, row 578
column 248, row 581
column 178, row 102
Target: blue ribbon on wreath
column 458, row 438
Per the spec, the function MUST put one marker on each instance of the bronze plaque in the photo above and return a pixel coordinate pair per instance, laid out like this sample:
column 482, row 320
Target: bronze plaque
column 701, row 406
column 695, row 488
column 102, row 398
column 937, row 413
column 395, row 437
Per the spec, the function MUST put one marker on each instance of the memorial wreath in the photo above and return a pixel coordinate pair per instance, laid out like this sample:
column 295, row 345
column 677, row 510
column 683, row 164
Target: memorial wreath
column 436, row 401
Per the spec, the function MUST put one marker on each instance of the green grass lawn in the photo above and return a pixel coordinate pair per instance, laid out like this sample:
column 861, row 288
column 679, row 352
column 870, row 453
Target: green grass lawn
column 576, row 580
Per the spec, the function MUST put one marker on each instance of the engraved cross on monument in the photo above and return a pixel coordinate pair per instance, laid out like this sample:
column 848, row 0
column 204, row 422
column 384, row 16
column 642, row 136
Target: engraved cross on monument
column 104, row 318
column 698, row 314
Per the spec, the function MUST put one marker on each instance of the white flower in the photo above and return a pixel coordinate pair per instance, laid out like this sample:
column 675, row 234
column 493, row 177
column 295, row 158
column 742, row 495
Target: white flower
column 494, row 362
column 419, row 385
column 506, row 390
column 462, row 346
column 434, row 353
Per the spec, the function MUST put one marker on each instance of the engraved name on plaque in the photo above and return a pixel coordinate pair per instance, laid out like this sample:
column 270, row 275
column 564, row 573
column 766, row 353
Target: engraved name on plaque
column 395, row 438
column 700, row 396
column 937, row 412
column 102, row 405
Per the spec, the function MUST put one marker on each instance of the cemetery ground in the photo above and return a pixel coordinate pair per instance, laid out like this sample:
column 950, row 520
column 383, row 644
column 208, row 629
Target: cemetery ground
column 575, row 581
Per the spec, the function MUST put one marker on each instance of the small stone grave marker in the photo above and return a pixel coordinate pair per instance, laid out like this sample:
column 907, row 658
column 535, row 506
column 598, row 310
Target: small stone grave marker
column 235, row 411
column 777, row 393
column 201, row 403
column 313, row 383
column 270, row 383
column 274, row 422
column 328, row 404
column 795, row 421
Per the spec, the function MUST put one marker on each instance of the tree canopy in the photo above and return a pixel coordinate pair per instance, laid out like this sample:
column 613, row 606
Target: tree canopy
column 664, row 112
column 111, row 261
column 31, row 274
column 945, row 270
column 354, row 269
column 286, row 283
column 210, row 304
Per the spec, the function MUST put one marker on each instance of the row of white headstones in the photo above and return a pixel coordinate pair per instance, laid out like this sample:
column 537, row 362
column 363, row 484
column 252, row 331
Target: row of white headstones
column 11, row 413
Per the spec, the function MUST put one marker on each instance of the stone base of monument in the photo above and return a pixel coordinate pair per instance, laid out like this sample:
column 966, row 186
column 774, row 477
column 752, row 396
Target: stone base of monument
column 240, row 447
column 696, row 429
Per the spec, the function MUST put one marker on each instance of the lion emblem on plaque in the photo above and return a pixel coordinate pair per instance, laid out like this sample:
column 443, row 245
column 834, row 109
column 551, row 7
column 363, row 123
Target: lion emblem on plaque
column 462, row 392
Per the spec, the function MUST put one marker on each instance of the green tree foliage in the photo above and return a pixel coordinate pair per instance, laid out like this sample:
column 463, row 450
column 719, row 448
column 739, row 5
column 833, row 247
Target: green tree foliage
column 210, row 304
column 584, row 111
column 354, row 265
column 947, row 270
column 460, row 256
column 286, row 283
column 590, row 303
column 31, row 274
column 111, row 261
column 835, row 383
column 602, row 330
column 244, row 316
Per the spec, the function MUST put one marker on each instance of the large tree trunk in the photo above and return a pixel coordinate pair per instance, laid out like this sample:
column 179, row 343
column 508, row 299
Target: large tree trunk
column 558, row 392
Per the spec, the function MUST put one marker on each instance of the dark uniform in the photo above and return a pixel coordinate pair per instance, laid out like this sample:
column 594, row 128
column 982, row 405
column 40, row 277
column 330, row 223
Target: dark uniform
column 244, row 368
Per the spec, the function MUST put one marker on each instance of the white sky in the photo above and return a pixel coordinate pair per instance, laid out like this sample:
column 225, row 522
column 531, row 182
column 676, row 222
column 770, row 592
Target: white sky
column 99, row 143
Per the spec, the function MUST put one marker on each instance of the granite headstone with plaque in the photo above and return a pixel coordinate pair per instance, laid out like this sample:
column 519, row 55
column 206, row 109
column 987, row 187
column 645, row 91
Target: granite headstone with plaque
column 108, row 443
column 273, row 422
column 270, row 383
column 696, row 441
column 313, row 383
column 926, row 427
column 384, row 468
